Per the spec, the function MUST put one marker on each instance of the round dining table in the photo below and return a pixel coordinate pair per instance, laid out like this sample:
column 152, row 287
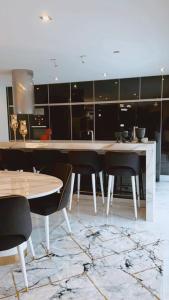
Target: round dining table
column 30, row 185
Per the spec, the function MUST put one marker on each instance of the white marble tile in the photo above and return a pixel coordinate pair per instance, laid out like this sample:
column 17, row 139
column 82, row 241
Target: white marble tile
column 73, row 288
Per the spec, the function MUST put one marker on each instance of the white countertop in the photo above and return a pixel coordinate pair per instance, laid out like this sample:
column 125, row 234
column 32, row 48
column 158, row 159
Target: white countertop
column 78, row 145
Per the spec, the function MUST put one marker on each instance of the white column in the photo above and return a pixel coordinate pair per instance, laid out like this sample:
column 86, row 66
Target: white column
column 3, row 114
column 150, row 181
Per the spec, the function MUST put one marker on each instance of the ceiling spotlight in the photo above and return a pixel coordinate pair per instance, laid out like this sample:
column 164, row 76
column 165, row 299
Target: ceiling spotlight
column 56, row 78
column 104, row 75
column 116, row 51
column 162, row 70
column 45, row 18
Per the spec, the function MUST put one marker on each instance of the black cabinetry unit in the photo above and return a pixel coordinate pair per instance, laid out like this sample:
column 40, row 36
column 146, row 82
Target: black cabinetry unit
column 60, row 122
column 82, row 122
column 41, row 94
column 130, row 89
column 151, row 87
column 166, row 86
column 59, row 93
column 107, row 90
column 82, row 91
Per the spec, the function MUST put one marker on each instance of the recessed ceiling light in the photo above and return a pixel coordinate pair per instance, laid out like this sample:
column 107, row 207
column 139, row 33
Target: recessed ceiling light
column 45, row 18
column 104, row 75
column 162, row 70
column 116, row 51
column 56, row 78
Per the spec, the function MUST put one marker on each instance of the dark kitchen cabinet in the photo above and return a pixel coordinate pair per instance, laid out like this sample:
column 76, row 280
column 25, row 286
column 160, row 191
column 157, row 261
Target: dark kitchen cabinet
column 59, row 93
column 82, row 91
column 166, row 86
column 9, row 95
column 60, row 122
column 151, row 87
column 129, row 88
column 41, row 94
column 106, row 90
column 82, row 122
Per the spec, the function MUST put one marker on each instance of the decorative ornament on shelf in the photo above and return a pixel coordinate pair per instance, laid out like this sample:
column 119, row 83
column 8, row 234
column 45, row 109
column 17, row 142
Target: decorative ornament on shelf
column 23, row 129
column 14, row 124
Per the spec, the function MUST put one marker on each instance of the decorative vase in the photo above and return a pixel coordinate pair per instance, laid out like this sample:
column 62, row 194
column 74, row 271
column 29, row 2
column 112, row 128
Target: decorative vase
column 14, row 124
column 140, row 133
column 23, row 129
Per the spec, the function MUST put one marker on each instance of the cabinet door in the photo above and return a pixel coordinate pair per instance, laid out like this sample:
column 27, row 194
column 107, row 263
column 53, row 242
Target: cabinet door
column 82, row 91
column 129, row 89
column 60, row 122
column 151, row 87
column 82, row 122
column 9, row 95
column 106, row 90
column 166, row 86
column 41, row 94
column 59, row 93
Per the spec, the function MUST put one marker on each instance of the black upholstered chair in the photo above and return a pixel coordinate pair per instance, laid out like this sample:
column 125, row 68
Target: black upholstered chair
column 50, row 204
column 123, row 164
column 15, row 227
column 86, row 163
column 13, row 160
column 44, row 158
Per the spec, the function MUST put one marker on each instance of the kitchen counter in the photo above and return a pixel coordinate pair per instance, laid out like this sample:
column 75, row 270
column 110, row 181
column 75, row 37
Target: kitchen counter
column 147, row 149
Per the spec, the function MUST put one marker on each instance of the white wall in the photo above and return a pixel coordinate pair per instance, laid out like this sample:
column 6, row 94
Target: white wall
column 3, row 114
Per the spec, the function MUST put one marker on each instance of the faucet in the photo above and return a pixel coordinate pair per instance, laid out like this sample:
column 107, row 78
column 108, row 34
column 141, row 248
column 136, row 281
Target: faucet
column 92, row 134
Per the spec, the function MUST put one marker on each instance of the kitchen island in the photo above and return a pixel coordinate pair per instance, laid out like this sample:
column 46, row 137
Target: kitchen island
column 148, row 149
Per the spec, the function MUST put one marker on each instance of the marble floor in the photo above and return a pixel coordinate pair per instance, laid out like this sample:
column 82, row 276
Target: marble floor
column 114, row 258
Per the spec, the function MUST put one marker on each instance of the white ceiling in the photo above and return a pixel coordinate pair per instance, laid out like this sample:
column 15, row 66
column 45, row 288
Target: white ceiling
column 139, row 29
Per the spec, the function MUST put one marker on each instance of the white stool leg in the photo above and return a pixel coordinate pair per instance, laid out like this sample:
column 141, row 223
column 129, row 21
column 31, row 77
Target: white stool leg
column 101, row 185
column 94, row 191
column 110, row 178
column 71, row 190
column 47, row 232
column 112, row 190
column 78, row 186
column 138, row 190
column 134, row 195
column 22, row 259
column 67, row 219
column 31, row 247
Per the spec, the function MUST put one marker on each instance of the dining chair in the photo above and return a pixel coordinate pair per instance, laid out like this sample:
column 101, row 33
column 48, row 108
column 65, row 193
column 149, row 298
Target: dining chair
column 47, row 205
column 16, row 227
column 123, row 164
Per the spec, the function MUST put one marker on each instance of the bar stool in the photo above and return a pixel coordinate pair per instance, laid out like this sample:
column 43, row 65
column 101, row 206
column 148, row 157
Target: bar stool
column 86, row 163
column 123, row 164
column 42, row 159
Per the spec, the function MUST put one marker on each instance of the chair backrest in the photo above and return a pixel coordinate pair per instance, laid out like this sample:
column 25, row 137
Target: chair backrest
column 15, row 219
column 84, row 158
column 63, row 172
column 122, row 160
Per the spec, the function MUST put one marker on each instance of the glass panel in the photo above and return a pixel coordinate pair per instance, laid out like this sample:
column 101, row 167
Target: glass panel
column 41, row 93
column 106, row 90
column 129, row 88
column 149, row 116
column 82, row 91
column 59, row 93
column 9, row 95
column 60, row 122
column 165, row 139
column 82, row 122
column 166, row 87
column 151, row 87
column 114, row 117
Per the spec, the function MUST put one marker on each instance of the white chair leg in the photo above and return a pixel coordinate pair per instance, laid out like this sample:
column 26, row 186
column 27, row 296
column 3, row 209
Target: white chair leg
column 78, row 186
column 101, row 185
column 138, row 190
column 110, row 178
column 112, row 190
column 67, row 219
column 71, row 190
column 47, row 232
column 22, row 259
column 31, row 247
column 94, row 191
column 134, row 195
